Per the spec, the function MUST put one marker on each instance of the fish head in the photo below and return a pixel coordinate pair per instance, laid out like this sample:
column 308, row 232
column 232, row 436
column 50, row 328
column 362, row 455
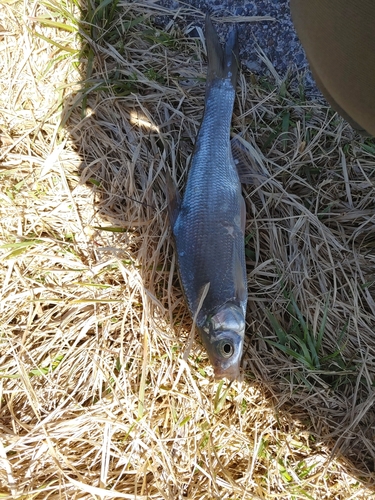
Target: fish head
column 223, row 336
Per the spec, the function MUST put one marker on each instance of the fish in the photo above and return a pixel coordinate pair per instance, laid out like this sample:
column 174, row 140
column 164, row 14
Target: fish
column 208, row 223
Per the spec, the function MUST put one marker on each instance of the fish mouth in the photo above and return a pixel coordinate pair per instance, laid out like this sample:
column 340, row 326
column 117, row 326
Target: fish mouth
column 232, row 372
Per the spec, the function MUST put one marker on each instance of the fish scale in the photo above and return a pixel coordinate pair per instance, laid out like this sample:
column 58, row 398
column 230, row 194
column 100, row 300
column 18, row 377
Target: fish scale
column 208, row 225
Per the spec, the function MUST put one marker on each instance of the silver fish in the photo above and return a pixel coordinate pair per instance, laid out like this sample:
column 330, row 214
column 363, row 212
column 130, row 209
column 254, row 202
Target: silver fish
column 209, row 223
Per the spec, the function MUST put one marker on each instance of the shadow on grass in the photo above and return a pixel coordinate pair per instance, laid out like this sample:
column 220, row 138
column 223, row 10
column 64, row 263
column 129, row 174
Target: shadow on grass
column 136, row 115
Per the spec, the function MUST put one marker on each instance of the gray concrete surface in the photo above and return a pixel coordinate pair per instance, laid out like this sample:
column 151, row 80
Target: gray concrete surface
column 277, row 38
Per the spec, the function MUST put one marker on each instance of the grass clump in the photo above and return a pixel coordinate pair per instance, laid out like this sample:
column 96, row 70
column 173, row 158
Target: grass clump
column 98, row 397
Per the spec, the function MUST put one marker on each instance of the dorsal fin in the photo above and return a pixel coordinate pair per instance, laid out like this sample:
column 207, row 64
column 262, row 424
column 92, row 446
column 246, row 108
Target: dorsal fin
column 249, row 168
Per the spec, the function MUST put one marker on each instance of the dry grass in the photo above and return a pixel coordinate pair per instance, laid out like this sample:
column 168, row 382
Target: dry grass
column 97, row 399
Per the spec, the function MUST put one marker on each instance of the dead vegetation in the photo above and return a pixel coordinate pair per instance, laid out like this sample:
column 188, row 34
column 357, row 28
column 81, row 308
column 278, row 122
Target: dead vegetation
column 99, row 397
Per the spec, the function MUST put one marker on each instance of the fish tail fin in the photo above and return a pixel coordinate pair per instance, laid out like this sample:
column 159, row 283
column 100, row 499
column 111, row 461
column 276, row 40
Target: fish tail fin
column 222, row 63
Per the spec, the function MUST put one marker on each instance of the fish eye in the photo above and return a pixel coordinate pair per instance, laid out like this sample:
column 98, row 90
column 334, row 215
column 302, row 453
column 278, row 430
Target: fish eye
column 226, row 348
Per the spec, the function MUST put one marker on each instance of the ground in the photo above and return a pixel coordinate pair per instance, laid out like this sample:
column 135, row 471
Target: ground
column 105, row 391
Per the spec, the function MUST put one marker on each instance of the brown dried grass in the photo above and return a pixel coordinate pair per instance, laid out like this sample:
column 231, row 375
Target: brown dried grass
column 97, row 398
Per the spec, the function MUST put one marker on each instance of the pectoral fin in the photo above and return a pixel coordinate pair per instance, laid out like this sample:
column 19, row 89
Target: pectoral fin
column 243, row 215
column 240, row 286
column 173, row 199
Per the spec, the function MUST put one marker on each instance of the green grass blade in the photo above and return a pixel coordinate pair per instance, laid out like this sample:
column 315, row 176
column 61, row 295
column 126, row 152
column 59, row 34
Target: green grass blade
column 280, row 332
column 322, row 328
